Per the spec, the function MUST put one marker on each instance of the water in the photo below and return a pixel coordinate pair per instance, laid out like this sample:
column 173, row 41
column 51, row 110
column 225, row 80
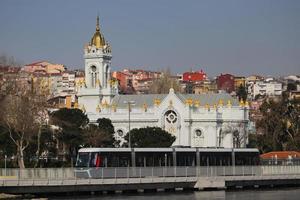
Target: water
column 274, row 194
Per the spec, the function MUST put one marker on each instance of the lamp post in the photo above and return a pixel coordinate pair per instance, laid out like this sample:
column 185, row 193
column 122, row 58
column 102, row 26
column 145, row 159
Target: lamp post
column 129, row 110
column 5, row 157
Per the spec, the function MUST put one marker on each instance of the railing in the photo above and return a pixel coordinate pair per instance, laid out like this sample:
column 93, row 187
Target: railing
column 144, row 172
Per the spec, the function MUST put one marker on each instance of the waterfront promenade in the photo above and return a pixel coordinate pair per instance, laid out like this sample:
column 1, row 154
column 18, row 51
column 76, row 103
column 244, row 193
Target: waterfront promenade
column 63, row 180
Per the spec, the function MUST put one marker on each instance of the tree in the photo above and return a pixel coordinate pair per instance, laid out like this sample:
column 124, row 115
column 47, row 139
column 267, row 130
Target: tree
column 150, row 137
column 7, row 148
column 101, row 135
column 71, row 123
column 291, row 87
column 46, row 147
column 162, row 85
column 242, row 93
column 105, row 125
column 6, row 60
column 238, row 132
column 95, row 137
column 23, row 108
column 280, row 125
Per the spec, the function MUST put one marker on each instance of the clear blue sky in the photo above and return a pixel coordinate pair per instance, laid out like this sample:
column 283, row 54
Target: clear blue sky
column 242, row 37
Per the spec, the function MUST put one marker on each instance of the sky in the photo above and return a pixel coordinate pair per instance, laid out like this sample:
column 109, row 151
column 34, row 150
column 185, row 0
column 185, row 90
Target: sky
column 241, row 37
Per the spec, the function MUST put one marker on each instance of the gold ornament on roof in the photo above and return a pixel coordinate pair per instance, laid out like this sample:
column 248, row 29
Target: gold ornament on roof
column 207, row 106
column 221, row 102
column 229, row 103
column 157, row 102
column 197, row 103
column 189, row 102
column 76, row 105
column 215, row 106
column 105, row 104
column 112, row 82
column 242, row 103
column 98, row 39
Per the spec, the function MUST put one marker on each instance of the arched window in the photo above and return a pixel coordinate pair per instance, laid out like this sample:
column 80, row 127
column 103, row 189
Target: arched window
column 106, row 74
column 93, row 76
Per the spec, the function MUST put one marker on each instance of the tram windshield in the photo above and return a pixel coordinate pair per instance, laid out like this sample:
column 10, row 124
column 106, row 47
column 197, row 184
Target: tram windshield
column 83, row 159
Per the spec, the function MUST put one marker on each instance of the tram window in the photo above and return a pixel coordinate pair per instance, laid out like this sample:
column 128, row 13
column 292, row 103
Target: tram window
column 118, row 159
column 83, row 159
column 96, row 160
column 150, row 159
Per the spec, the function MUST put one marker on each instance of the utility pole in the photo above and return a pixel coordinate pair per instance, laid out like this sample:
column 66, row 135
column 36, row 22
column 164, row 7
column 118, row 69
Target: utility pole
column 129, row 110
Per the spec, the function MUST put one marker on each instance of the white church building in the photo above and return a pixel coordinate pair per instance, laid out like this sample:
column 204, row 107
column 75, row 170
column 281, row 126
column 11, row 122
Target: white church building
column 197, row 120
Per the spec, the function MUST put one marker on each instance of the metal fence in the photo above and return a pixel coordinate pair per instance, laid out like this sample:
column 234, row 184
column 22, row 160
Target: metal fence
column 145, row 172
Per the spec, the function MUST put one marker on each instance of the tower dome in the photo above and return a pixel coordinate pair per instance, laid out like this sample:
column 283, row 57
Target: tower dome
column 98, row 39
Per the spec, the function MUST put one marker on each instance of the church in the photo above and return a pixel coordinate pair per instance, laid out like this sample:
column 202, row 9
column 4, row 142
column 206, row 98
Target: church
column 196, row 120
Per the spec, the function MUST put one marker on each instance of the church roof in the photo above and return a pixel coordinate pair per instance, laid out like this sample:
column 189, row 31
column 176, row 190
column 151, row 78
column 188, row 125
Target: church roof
column 148, row 99
column 139, row 100
column 209, row 98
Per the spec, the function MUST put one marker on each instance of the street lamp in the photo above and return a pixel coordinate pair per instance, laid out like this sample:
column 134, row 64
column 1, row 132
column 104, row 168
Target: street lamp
column 129, row 110
column 5, row 157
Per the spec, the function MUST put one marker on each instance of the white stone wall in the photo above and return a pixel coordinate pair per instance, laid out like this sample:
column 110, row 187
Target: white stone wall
column 97, row 89
column 210, row 122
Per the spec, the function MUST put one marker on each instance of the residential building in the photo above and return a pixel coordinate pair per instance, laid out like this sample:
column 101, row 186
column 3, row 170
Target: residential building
column 194, row 76
column 269, row 88
column 205, row 87
column 239, row 81
column 43, row 67
column 225, row 82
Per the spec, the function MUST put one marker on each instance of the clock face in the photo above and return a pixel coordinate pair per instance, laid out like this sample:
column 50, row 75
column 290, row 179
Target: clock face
column 198, row 132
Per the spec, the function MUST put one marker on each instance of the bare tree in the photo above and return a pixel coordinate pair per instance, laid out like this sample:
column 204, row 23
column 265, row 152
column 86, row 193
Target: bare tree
column 239, row 135
column 6, row 60
column 96, row 137
column 163, row 84
column 23, row 112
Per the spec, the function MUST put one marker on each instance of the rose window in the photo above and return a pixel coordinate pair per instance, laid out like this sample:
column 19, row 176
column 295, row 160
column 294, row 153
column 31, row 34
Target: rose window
column 171, row 116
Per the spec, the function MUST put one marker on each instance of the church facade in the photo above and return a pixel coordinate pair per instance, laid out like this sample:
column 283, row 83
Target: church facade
column 196, row 120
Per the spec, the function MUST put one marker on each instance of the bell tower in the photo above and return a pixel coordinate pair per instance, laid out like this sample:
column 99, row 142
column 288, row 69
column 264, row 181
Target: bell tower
column 97, row 88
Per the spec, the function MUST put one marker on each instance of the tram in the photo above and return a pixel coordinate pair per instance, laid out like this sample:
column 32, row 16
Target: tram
column 165, row 157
